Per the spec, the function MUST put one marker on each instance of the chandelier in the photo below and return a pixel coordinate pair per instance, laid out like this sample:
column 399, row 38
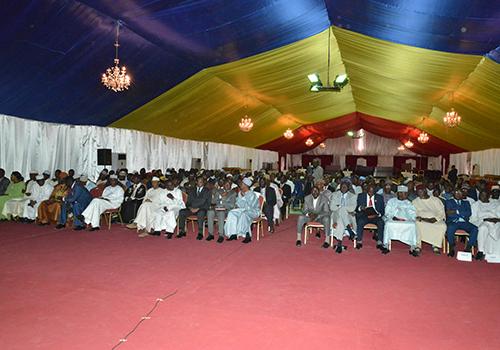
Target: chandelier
column 423, row 137
column 309, row 142
column 452, row 119
column 116, row 77
column 322, row 145
column 408, row 144
column 401, row 148
column 288, row 134
column 246, row 124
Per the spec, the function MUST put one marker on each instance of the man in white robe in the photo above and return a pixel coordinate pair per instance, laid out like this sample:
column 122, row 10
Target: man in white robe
column 239, row 220
column 150, row 209
column 40, row 192
column 112, row 198
column 431, row 226
column 172, row 203
column 343, row 219
column 400, row 216
column 279, row 199
column 486, row 216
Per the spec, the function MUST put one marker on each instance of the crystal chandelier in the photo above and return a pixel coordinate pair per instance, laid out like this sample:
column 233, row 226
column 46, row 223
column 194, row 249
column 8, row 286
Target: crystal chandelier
column 246, row 124
column 408, row 144
column 322, row 145
column 288, row 134
column 309, row 142
column 423, row 137
column 452, row 119
column 116, row 77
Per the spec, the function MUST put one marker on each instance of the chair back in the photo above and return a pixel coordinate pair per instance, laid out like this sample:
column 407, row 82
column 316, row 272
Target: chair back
column 184, row 197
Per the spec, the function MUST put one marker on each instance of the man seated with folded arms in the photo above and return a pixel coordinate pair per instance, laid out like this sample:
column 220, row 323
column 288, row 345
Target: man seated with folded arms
column 40, row 192
column 223, row 201
column 342, row 207
column 458, row 213
column 370, row 209
column 431, row 226
column 316, row 208
column 486, row 216
column 112, row 198
column 400, row 216
column 75, row 202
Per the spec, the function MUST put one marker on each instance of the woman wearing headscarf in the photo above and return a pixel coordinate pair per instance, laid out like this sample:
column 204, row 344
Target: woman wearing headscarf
column 49, row 210
column 15, row 190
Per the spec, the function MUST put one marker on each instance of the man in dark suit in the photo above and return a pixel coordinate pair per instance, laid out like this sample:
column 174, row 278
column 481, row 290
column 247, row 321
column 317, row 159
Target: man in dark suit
column 369, row 210
column 269, row 194
column 133, row 199
column 198, row 202
column 286, row 195
column 473, row 192
column 453, row 175
column 458, row 213
column 76, row 202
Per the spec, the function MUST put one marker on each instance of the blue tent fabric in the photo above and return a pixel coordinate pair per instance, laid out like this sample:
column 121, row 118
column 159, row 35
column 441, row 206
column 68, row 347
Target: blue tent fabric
column 54, row 51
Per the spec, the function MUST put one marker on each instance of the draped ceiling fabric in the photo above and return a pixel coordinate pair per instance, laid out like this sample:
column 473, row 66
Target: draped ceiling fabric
column 198, row 66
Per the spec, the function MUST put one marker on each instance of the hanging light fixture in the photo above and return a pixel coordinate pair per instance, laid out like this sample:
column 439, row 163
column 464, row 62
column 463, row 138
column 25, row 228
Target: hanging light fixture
column 408, row 144
column 309, row 142
column 322, row 145
column 288, row 134
column 116, row 78
column 423, row 137
column 246, row 124
column 401, row 148
column 452, row 118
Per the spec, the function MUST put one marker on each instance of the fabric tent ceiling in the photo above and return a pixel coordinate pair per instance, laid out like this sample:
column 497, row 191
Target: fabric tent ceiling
column 198, row 66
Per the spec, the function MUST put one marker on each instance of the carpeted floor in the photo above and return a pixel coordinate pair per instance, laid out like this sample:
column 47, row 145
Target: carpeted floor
column 83, row 290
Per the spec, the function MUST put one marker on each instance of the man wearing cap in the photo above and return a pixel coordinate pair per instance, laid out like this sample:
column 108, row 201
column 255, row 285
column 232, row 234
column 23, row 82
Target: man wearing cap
column 239, row 220
column 495, row 194
column 431, row 226
column 31, row 182
column 400, row 216
column 41, row 192
column 76, row 201
column 122, row 179
column 370, row 209
column 466, row 191
column 89, row 185
column 112, row 198
column 343, row 207
column 198, row 202
column 486, row 216
column 134, row 196
column 458, row 213
column 4, row 182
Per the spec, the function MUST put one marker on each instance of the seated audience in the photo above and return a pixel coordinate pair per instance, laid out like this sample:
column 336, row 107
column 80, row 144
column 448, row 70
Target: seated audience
column 49, row 210
column 431, row 226
column 223, row 201
column 198, row 202
column 316, row 209
column 270, row 200
column 112, row 198
column 486, row 216
column 369, row 210
column 15, row 191
column 4, row 182
column 75, row 202
column 458, row 213
column 343, row 209
column 133, row 199
column 239, row 220
column 400, row 216
column 40, row 192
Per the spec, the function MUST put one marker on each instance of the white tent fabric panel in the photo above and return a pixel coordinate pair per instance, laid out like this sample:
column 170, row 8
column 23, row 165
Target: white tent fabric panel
column 28, row 144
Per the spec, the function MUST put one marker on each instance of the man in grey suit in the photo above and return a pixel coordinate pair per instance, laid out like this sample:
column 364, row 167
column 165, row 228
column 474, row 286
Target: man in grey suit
column 223, row 200
column 343, row 208
column 316, row 208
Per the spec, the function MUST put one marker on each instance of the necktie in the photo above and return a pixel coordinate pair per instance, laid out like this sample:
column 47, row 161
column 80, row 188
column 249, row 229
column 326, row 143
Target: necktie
column 370, row 202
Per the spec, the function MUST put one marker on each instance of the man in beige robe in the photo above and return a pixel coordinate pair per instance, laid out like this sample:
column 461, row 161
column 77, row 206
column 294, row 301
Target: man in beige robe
column 431, row 226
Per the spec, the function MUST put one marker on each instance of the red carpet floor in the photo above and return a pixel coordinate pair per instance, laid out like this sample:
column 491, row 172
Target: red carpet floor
column 82, row 290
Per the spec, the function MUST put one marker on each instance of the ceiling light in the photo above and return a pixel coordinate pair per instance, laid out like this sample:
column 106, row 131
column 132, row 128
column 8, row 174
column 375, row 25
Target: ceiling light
column 423, row 137
column 322, row 145
column 116, row 78
column 401, row 148
column 408, row 144
column 350, row 133
column 288, row 134
column 341, row 81
column 313, row 78
column 309, row 142
column 246, row 124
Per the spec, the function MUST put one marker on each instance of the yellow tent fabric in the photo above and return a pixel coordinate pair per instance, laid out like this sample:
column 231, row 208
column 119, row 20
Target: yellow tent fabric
column 387, row 80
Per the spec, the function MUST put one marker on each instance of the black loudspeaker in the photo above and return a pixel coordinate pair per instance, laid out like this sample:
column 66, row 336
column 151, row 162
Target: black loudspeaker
column 103, row 156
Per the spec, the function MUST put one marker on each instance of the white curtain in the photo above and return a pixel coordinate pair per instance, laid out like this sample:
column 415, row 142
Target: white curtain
column 488, row 161
column 370, row 144
column 28, row 144
column 461, row 161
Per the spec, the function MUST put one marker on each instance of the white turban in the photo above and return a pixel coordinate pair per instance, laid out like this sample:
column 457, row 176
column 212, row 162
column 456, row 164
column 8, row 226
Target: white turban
column 247, row 181
column 402, row 188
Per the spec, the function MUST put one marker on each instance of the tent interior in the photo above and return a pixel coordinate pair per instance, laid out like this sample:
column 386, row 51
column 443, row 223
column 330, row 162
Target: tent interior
column 198, row 67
